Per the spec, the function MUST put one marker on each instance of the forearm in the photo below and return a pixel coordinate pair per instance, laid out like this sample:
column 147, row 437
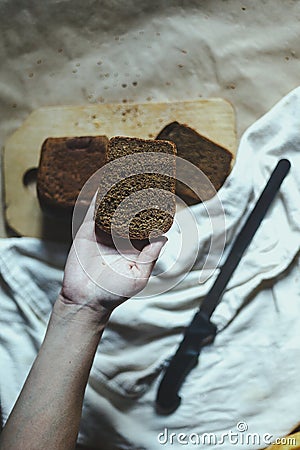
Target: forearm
column 48, row 411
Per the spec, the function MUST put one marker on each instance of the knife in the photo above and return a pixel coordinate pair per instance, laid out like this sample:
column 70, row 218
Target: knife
column 201, row 331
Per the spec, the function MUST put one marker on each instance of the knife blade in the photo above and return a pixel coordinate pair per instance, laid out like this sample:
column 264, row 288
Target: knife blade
column 201, row 331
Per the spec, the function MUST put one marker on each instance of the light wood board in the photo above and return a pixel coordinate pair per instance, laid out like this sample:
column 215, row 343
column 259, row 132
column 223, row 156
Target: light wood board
column 214, row 118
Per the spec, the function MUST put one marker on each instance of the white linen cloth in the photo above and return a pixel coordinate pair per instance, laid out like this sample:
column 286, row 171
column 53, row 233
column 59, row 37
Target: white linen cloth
column 248, row 376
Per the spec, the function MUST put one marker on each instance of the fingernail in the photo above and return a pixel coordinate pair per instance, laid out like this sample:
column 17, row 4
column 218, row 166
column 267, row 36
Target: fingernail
column 162, row 239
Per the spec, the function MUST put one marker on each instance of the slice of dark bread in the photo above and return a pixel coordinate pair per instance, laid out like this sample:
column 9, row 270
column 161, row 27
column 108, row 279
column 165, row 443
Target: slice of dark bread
column 147, row 195
column 65, row 166
column 212, row 159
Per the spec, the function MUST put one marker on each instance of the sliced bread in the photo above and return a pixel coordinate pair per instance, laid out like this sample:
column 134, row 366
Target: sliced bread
column 65, row 165
column 136, row 196
column 211, row 158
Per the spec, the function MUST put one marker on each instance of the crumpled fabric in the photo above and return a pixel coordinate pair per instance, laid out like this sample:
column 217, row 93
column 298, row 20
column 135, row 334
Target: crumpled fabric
column 248, row 376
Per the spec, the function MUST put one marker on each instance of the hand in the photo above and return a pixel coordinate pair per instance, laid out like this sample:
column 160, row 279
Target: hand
column 98, row 276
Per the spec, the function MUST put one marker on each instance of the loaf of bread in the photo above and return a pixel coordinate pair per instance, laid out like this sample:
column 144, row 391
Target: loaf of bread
column 136, row 198
column 212, row 159
column 65, row 165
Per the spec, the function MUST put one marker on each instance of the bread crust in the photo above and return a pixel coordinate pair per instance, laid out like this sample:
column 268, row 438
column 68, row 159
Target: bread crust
column 211, row 158
column 66, row 163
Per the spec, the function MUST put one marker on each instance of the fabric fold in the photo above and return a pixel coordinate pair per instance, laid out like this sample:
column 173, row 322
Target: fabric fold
column 248, row 374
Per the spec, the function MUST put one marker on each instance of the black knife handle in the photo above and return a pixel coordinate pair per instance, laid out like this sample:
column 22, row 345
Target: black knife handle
column 201, row 332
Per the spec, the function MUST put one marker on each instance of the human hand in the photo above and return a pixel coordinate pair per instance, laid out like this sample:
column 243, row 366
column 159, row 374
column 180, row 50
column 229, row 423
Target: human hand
column 98, row 276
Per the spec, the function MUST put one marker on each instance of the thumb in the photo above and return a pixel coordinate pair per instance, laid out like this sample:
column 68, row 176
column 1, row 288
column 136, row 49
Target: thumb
column 149, row 255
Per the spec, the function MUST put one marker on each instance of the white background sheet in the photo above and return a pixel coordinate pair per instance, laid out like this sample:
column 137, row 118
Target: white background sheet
column 249, row 375
column 73, row 52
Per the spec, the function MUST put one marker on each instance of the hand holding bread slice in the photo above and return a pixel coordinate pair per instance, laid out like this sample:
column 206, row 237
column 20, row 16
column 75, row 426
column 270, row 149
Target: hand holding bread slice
column 136, row 199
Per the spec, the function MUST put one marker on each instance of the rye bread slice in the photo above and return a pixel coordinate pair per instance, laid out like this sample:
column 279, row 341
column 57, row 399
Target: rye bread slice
column 211, row 158
column 136, row 197
column 65, row 165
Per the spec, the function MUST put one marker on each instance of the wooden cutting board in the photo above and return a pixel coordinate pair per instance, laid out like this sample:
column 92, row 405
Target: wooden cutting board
column 214, row 118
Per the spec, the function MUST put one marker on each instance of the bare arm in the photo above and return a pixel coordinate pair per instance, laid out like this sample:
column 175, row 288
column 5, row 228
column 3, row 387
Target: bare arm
column 48, row 410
